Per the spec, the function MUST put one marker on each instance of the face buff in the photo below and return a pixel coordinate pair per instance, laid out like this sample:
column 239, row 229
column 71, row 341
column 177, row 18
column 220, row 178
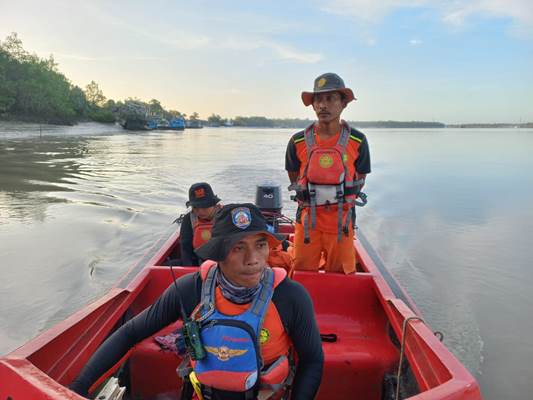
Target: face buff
column 236, row 294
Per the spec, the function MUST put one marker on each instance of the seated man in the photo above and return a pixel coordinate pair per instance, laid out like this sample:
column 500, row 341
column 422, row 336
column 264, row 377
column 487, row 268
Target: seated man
column 196, row 225
column 242, row 308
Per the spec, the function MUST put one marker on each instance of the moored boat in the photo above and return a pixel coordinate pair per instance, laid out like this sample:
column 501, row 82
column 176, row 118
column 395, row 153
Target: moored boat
column 177, row 124
column 373, row 334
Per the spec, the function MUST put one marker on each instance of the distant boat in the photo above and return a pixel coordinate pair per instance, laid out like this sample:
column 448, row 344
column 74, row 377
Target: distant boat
column 133, row 116
column 134, row 124
column 163, row 124
column 194, row 124
column 176, row 124
column 151, row 124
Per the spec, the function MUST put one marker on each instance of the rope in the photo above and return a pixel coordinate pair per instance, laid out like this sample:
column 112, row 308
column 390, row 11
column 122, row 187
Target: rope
column 402, row 350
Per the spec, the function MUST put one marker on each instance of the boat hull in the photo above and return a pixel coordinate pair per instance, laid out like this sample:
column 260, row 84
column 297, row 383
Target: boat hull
column 365, row 312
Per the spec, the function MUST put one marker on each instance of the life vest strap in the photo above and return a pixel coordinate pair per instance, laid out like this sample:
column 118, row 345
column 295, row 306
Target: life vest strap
column 339, row 219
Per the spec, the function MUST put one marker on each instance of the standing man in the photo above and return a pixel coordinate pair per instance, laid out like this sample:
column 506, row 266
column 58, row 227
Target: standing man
column 327, row 164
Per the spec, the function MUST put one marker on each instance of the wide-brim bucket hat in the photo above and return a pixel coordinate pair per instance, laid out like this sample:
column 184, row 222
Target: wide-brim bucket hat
column 328, row 82
column 232, row 223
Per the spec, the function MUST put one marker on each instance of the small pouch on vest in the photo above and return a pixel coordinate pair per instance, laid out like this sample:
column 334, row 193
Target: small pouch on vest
column 276, row 373
column 325, row 167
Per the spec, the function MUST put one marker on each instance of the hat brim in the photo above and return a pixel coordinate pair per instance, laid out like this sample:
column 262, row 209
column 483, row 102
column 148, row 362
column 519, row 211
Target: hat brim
column 307, row 97
column 204, row 203
column 217, row 249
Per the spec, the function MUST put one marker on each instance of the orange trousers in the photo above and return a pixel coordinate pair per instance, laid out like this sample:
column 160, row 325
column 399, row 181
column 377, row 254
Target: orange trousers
column 338, row 256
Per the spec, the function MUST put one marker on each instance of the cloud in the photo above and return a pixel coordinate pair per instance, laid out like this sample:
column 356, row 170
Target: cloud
column 184, row 40
column 455, row 13
column 367, row 10
column 521, row 11
column 287, row 53
column 415, row 42
column 81, row 57
column 280, row 50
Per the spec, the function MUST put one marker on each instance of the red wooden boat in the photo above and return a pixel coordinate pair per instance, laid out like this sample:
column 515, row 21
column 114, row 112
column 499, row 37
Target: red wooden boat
column 375, row 324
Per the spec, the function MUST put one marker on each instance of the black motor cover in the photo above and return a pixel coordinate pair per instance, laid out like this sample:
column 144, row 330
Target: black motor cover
column 268, row 197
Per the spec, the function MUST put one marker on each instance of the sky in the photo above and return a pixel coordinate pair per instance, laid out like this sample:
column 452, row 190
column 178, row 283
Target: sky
column 451, row 61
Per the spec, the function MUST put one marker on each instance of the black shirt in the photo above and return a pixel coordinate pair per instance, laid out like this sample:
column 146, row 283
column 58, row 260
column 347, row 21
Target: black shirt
column 291, row 299
column 188, row 257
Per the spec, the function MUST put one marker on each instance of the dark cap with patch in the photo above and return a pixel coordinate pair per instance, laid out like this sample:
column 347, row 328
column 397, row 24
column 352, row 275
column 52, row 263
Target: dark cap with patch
column 232, row 223
column 201, row 196
column 328, row 82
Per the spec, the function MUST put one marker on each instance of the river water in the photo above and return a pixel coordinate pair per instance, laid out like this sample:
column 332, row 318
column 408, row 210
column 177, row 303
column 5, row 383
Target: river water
column 450, row 212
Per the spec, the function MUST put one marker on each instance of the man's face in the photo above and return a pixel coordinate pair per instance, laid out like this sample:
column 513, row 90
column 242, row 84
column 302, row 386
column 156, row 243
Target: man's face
column 204, row 213
column 246, row 260
column 328, row 106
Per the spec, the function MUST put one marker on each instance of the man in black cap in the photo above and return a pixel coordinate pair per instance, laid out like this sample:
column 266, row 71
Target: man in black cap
column 327, row 165
column 196, row 225
column 250, row 314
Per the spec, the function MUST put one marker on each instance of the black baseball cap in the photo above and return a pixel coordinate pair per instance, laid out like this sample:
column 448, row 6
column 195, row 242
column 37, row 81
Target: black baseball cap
column 232, row 223
column 201, row 196
column 328, row 82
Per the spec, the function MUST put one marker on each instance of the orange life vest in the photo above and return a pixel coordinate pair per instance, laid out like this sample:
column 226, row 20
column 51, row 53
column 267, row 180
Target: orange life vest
column 201, row 229
column 326, row 181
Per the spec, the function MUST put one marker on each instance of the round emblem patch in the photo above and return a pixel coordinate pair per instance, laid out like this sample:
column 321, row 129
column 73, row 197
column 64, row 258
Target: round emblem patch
column 325, row 161
column 321, row 82
column 264, row 335
column 206, row 235
column 241, row 217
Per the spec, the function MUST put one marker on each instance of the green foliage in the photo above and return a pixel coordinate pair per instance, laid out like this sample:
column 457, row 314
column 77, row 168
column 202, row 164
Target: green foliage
column 215, row 120
column 32, row 88
column 102, row 115
column 95, row 96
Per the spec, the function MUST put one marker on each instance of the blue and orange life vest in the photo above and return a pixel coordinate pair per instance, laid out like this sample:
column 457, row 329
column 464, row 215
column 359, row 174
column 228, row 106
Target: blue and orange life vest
column 235, row 341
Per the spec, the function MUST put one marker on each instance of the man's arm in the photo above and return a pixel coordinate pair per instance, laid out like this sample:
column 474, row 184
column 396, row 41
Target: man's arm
column 162, row 313
column 292, row 163
column 293, row 176
column 186, row 237
column 362, row 164
column 296, row 311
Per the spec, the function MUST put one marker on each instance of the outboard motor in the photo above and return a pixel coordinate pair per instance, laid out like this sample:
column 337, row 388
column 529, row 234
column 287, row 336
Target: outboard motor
column 268, row 199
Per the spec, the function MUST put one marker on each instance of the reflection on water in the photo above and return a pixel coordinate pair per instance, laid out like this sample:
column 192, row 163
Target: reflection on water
column 449, row 213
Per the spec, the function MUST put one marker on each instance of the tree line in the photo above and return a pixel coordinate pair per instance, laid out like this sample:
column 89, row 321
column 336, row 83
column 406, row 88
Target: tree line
column 33, row 89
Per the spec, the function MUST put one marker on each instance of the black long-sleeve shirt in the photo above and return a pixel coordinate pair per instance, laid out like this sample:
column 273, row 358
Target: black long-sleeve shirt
column 290, row 298
column 188, row 257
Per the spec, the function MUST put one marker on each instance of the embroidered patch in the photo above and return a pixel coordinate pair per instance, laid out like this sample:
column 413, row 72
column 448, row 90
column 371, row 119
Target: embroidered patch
column 199, row 193
column 241, row 217
column 224, row 353
column 264, row 335
column 325, row 161
column 321, row 82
